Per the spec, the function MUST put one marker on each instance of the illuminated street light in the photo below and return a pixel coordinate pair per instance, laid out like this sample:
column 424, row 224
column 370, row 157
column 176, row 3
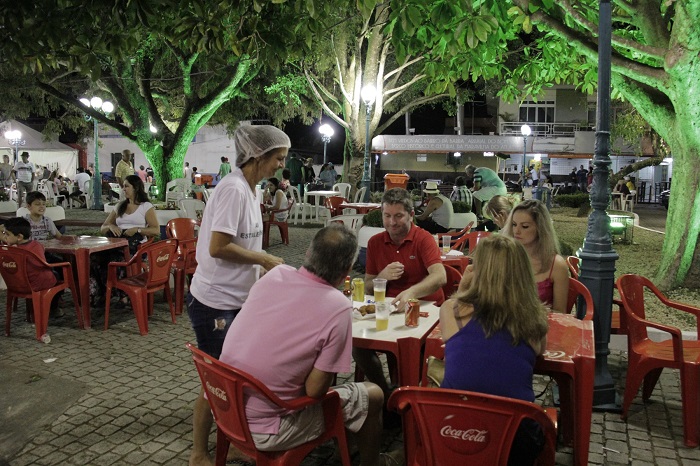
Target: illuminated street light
column 105, row 107
column 14, row 137
column 326, row 131
column 525, row 131
column 368, row 95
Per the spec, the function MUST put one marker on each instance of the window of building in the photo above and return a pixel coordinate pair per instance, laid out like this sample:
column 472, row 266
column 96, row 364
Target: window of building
column 537, row 112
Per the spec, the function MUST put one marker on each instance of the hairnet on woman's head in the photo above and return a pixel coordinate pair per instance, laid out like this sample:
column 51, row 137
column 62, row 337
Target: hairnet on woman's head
column 252, row 141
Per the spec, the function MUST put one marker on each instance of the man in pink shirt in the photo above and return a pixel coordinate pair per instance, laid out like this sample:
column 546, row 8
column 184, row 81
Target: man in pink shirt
column 294, row 333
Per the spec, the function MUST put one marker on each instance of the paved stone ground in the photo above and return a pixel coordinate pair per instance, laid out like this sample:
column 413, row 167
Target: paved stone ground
column 134, row 402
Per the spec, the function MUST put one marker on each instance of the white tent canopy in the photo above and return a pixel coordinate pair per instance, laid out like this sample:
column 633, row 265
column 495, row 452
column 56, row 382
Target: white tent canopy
column 53, row 154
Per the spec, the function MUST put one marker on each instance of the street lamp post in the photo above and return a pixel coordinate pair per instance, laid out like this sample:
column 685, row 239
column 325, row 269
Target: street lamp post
column 105, row 107
column 14, row 137
column 326, row 131
column 597, row 255
column 525, row 131
column 368, row 94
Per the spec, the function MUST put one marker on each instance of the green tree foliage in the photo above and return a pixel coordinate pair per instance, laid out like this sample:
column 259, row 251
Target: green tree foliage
column 537, row 43
column 167, row 63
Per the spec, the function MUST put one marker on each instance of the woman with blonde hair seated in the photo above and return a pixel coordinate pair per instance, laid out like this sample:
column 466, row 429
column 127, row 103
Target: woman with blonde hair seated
column 498, row 209
column 531, row 225
column 497, row 322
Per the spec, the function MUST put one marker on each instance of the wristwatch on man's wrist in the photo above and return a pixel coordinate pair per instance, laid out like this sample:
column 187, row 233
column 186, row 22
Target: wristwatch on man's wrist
column 138, row 230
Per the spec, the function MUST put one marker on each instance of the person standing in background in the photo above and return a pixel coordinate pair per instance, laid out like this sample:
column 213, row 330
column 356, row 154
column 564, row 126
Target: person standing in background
column 24, row 175
column 224, row 168
column 187, row 171
column 296, row 177
column 582, row 179
column 6, row 172
column 124, row 168
column 141, row 172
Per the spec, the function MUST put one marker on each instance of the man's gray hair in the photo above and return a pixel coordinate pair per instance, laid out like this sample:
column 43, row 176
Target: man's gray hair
column 398, row 196
column 332, row 253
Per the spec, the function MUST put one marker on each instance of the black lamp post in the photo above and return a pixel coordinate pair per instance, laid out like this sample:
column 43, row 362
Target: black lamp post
column 105, row 107
column 368, row 94
column 597, row 255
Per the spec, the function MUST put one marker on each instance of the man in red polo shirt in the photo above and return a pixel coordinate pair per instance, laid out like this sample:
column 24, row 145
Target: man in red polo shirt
column 409, row 259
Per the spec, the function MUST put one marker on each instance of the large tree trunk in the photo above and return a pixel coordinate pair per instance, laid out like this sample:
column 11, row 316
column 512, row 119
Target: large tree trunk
column 680, row 258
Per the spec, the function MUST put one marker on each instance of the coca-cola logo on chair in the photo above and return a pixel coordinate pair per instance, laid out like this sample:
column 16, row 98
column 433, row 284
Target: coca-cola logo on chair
column 466, row 436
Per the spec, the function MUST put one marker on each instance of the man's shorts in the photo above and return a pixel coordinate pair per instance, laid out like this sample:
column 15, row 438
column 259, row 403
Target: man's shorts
column 307, row 424
column 210, row 325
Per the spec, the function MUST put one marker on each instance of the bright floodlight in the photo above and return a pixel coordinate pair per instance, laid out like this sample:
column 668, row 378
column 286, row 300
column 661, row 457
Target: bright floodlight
column 152, row 128
column 107, row 107
column 85, row 101
column 458, row 154
column 368, row 94
column 13, row 134
column 96, row 103
column 525, row 130
column 326, row 130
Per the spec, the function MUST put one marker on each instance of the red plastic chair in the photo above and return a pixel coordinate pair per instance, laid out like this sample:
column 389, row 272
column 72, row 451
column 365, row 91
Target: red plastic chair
column 185, row 264
column 648, row 358
column 573, row 263
column 618, row 324
column 282, row 225
column 13, row 268
column 461, row 427
column 576, row 290
column 332, row 203
column 453, row 279
column 227, row 388
column 458, row 239
column 153, row 274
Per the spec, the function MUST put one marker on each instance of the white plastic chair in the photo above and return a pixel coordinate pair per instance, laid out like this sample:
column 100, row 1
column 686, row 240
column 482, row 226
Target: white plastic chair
column 300, row 208
column 343, row 189
column 177, row 189
column 360, row 194
column 52, row 193
column 354, row 222
column 193, row 208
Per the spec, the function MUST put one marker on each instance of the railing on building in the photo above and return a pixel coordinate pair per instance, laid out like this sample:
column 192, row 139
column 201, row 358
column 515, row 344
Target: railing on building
column 547, row 130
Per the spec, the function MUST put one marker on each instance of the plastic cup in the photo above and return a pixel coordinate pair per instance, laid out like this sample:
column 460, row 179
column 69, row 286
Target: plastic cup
column 382, row 315
column 446, row 244
column 379, row 289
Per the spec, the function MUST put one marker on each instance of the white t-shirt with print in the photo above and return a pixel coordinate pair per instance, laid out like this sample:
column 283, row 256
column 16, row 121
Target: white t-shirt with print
column 232, row 209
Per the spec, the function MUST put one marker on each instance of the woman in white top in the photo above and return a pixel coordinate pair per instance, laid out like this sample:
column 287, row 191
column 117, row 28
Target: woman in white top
column 135, row 217
column 278, row 201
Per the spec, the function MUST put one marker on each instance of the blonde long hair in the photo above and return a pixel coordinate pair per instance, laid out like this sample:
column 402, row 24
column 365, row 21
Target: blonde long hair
column 547, row 244
column 503, row 291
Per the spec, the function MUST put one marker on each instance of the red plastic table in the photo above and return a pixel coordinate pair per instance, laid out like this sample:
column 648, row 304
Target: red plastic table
column 80, row 248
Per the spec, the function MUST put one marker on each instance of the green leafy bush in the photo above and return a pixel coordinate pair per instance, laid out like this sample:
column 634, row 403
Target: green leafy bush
column 373, row 218
column 572, row 200
column 461, row 207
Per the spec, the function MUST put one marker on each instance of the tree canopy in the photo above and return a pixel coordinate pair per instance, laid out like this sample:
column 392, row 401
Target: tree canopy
column 170, row 64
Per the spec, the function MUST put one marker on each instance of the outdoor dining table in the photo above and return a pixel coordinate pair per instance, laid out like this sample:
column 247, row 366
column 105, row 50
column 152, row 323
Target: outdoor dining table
column 80, row 248
column 570, row 360
column 404, row 342
column 361, row 207
column 317, row 196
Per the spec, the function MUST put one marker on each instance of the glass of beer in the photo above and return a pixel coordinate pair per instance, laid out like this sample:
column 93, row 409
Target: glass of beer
column 379, row 289
column 358, row 290
column 382, row 315
column 446, row 244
